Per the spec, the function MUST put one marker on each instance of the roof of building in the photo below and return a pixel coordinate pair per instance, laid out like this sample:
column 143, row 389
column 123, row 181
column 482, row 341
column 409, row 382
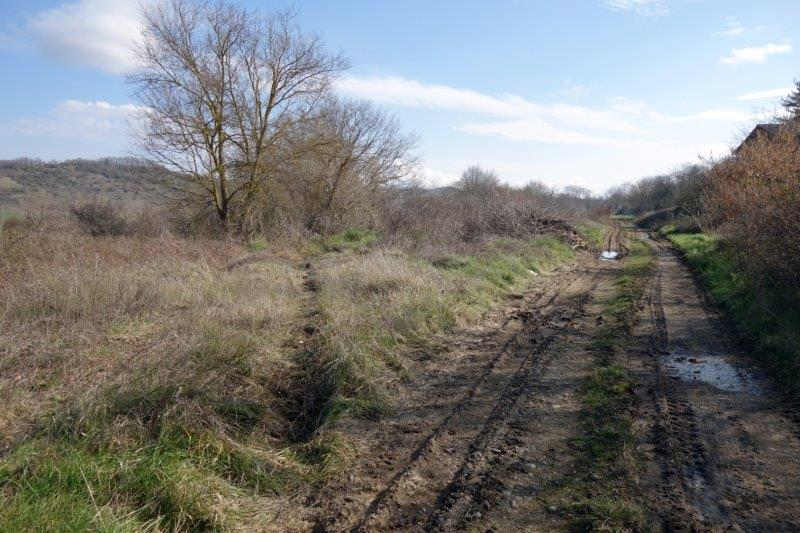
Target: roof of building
column 768, row 129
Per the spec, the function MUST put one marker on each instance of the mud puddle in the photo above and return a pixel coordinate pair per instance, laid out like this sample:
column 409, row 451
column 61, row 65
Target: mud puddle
column 711, row 369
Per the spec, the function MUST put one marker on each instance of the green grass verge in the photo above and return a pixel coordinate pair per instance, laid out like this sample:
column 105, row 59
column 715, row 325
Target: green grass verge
column 179, row 482
column 603, row 484
column 349, row 240
column 768, row 318
column 505, row 263
column 593, row 232
column 152, row 457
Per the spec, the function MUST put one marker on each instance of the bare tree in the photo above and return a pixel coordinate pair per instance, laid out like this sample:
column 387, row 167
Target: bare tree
column 224, row 86
column 358, row 150
column 478, row 181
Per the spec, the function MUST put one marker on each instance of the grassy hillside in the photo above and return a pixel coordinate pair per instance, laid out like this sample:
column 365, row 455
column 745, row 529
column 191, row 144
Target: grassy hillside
column 121, row 180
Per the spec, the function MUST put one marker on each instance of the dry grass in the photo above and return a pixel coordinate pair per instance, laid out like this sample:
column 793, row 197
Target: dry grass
column 79, row 313
column 148, row 385
column 373, row 303
column 380, row 306
column 148, row 368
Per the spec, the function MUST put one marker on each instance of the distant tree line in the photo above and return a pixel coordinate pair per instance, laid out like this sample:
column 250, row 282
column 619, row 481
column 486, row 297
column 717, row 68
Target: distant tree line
column 682, row 188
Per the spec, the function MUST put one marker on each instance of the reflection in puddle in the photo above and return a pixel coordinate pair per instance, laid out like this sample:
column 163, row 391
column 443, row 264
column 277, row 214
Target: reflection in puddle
column 609, row 255
column 711, row 369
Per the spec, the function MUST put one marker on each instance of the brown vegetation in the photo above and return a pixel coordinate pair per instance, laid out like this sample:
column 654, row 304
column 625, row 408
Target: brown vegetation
column 176, row 374
column 754, row 201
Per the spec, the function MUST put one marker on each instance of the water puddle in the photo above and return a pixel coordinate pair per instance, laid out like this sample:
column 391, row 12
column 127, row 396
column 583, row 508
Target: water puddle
column 711, row 369
column 609, row 255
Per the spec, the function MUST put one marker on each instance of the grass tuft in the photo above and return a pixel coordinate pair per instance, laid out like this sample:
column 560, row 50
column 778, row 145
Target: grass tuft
column 607, row 497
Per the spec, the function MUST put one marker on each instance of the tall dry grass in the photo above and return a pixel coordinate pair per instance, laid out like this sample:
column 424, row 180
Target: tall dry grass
column 151, row 382
column 80, row 314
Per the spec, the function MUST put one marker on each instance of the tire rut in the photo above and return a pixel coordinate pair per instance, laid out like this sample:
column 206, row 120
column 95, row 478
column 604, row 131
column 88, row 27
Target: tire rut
column 686, row 476
column 459, row 502
column 538, row 330
column 727, row 457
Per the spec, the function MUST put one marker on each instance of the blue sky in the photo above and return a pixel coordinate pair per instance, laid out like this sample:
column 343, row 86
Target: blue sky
column 592, row 92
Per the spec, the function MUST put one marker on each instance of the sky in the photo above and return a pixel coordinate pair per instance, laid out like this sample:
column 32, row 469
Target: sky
column 592, row 93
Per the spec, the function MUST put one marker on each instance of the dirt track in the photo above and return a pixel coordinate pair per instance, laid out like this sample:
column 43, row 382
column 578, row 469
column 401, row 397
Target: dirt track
column 486, row 424
column 435, row 464
column 728, row 457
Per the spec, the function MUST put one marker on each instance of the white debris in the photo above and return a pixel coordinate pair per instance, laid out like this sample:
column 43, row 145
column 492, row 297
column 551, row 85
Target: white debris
column 609, row 255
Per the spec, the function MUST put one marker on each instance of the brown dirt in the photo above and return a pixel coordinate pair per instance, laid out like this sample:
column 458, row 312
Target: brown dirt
column 485, row 426
column 471, row 417
column 724, row 455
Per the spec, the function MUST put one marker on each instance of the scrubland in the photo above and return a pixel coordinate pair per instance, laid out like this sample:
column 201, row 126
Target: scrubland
column 156, row 382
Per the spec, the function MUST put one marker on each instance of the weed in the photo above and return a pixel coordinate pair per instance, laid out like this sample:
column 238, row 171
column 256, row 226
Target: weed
column 352, row 240
column 593, row 232
column 606, row 439
column 257, row 245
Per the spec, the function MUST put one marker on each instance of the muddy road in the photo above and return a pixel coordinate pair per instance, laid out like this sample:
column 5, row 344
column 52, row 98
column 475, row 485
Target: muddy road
column 727, row 452
column 487, row 423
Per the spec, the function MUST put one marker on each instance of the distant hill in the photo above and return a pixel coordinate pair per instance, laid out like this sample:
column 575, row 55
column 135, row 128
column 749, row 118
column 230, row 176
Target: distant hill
column 126, row 180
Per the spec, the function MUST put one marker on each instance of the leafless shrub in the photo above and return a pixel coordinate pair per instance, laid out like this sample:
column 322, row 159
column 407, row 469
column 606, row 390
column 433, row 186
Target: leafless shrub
column 477, row 208
column 99, row 218
column 754, row 200
column 683, row 188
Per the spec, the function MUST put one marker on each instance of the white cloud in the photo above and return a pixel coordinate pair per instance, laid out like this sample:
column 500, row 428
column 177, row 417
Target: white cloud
column 727, row 115
column 98, row 33
column 763, row 95
column 88, row 121
column 410, row 93
column 733, row 28
column 532, row 129
column 526, row 120
column 756, row 54
column 557, row 143
column 73, row 128
column 642, row 7
column 431, row 177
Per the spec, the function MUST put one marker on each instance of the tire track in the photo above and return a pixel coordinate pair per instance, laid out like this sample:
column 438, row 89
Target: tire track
column 533, row 308
column 538, row 331
column 687, row 478
column 458, row 503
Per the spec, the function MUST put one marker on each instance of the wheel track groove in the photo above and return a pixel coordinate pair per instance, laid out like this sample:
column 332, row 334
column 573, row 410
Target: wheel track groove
column 557, row 318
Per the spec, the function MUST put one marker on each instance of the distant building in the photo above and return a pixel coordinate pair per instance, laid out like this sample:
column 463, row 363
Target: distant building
column 770, row 130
